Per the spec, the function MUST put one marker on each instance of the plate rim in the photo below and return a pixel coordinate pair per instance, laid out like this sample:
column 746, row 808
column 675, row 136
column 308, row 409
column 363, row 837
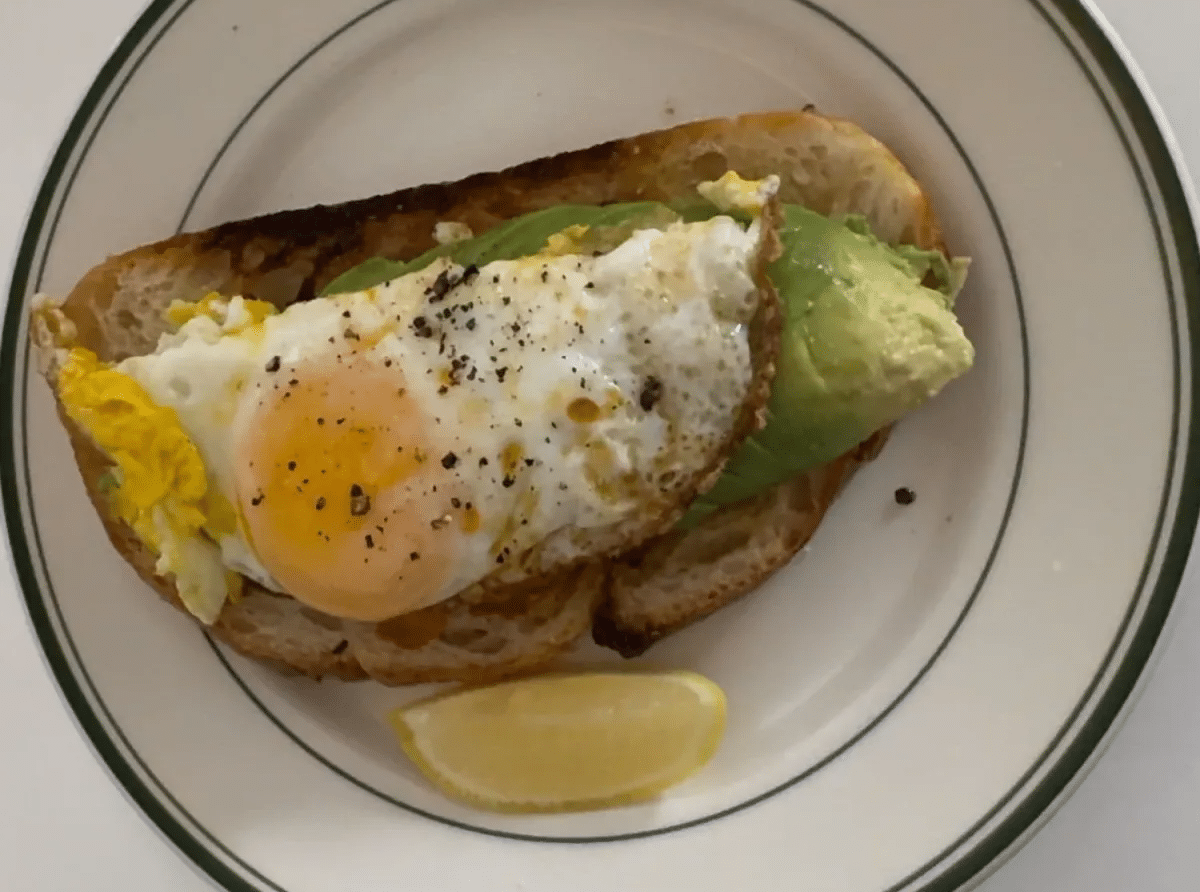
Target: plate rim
column 1162, row 163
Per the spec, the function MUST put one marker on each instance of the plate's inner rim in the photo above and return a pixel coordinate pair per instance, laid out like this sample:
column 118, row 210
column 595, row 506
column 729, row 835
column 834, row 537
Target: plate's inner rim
column 874, row 721
column 855, row 738
column 1167, row 183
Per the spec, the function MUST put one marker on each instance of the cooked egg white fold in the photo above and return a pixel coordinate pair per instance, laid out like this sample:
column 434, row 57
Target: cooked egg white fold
column 374, row 453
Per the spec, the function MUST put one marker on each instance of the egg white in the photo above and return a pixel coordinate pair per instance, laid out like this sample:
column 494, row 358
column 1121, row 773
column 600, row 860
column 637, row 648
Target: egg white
column 652, row 334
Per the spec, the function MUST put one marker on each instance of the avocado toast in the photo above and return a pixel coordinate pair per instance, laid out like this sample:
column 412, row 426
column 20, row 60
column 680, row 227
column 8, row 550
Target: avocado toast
column 853, row 357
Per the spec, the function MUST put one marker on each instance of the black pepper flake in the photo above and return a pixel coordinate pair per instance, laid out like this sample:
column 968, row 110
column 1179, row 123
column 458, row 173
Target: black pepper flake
column 360, row 502
column 320, row 421
column 516, row 327
column 370, row 540
column 500, row 373
column 345, row 314
column 439, row 522
column 387, row 363
column 456, row 503
column 350, row 335
column 506, row 300
column 545, row 274
column 508, row 481
column 341, row 421
column 320, row 506
column 414, row 556
column 483, row 462
column 500, row 558
column 291, row 466
column 529, row 462
column 441, row 286
column 341, row 647
column 273, row 364
column 471, row 324
column 905, row 496
column 651, row 393
column 421, row 327
column 469, row 273
column 443, row 390
column 449, row 460
column 257, row 500
column 518, row 422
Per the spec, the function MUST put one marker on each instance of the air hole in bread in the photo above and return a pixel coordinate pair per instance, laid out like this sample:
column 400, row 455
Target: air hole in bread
column 471, row 639
column 710, row 165
column 324, row 620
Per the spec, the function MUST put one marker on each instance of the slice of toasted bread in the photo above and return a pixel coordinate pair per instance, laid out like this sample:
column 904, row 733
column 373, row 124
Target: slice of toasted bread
column 117, row 308
column 681, row 578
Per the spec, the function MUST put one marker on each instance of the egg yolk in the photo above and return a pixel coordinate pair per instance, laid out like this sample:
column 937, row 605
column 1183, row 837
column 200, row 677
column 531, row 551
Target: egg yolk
column 346, row 502
column 158, row 466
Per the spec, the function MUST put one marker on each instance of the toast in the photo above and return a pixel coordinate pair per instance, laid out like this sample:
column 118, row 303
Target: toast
column 487, row 633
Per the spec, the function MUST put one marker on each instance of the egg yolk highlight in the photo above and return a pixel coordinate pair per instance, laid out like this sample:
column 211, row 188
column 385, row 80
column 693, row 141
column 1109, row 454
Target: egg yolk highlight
column 346, row 502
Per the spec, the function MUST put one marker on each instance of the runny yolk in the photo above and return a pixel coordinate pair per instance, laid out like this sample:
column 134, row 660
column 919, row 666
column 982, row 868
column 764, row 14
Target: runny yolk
column 344, row 498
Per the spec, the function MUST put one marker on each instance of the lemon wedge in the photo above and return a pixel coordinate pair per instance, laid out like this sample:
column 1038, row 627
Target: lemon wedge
column 574, row 742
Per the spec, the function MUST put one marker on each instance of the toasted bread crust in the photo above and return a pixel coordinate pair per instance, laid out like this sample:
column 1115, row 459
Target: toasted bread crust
column 289, row 256
column 323, row 241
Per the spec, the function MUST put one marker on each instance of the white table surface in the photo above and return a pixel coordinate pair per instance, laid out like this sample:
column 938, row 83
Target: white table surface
column 1132, row 825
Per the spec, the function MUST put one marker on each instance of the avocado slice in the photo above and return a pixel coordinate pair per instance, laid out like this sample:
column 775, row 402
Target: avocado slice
column 869, row 328
column 865, row 341
column 608, row 226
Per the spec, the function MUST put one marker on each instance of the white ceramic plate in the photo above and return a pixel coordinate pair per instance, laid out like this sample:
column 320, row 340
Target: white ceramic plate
column 913, row 693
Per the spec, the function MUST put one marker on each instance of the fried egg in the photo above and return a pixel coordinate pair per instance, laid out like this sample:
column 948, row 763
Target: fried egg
column 373, row 453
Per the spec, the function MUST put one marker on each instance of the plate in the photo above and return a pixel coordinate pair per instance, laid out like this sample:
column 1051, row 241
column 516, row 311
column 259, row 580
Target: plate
column 909, row 698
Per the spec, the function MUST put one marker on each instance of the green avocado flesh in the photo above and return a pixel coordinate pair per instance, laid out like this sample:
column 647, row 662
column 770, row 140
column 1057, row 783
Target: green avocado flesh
column 864, row 341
